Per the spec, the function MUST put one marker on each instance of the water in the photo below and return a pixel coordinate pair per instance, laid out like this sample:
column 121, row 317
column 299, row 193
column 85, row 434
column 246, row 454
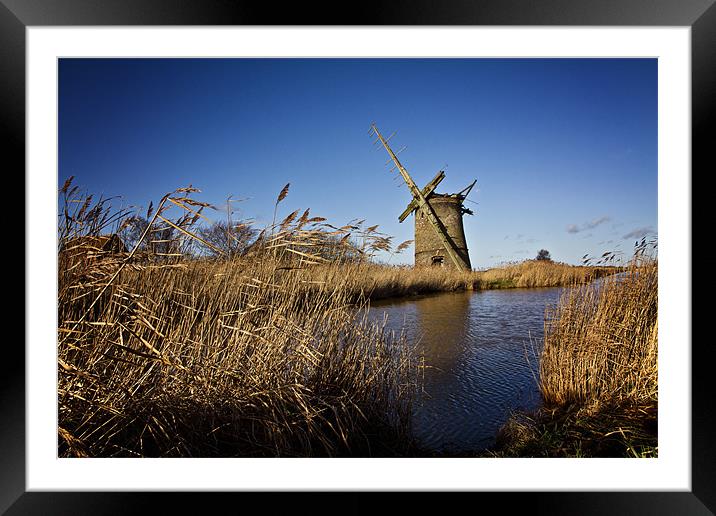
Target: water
column 479, row 350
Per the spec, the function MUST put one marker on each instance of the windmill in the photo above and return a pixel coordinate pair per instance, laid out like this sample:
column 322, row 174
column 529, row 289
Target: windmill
column 439, row 233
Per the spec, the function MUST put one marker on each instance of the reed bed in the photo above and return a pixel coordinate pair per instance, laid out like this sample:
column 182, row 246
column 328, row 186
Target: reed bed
column 162, row 355
column 597, row 370
column 177, row 345
column 601, row 340
column 379, row 281
column 541, row 273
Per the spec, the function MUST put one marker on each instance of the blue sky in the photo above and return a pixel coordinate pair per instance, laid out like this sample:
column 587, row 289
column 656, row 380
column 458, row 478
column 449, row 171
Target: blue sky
column 564, row 150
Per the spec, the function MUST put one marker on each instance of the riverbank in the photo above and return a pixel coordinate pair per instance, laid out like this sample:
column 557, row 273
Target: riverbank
column 163, row 352
column 377, row 282
column 216, row 359
column 597, row 373
column 241, row 357
column 170, row 353
column 542, row 273
column 600, row 429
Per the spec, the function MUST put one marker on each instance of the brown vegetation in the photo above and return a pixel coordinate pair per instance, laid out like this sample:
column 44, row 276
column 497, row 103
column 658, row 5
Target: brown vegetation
column 221, row 342
column 541, row 273
column 377, row 281
column 597, row 371
column 194, row 357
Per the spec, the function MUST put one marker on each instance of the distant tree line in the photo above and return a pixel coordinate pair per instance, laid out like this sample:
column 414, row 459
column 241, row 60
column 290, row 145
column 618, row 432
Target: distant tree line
column 225, row 240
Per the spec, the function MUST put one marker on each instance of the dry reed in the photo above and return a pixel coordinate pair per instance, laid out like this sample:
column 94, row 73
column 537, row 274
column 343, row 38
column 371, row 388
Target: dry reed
column 163, row 352
column 597, row 370
column 601, row 340
column 378, row 281
column 541, row 273
column 171, row 356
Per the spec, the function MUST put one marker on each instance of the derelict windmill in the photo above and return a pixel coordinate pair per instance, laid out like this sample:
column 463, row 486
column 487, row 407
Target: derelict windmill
column 439, row 234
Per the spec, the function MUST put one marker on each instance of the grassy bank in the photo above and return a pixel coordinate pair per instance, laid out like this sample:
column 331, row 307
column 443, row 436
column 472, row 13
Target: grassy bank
column 377, row 281
column 541, row 273
column 597, row 372
column 174, row 345
column 214, row 360
column 166, row 355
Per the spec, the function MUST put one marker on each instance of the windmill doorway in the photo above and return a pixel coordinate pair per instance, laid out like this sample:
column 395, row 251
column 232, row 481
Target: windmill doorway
column 438, row 261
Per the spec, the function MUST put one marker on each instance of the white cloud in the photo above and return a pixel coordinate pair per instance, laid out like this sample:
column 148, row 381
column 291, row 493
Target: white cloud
column 639, row 232
column 574, row 228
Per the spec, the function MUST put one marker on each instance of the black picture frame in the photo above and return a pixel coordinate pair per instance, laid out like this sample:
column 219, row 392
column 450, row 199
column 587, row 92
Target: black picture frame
column 700, row 15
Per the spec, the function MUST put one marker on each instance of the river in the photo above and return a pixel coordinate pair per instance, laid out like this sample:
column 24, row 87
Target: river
column 479, row 350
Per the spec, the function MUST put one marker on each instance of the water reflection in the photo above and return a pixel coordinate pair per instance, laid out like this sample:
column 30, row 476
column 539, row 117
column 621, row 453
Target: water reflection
column 444, row 326
column 477, row 348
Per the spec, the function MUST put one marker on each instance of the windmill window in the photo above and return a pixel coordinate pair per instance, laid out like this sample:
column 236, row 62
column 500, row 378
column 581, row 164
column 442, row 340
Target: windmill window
column 438, row 261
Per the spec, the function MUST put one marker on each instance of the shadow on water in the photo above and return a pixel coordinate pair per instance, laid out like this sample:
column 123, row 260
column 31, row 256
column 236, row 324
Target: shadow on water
column 479, row 361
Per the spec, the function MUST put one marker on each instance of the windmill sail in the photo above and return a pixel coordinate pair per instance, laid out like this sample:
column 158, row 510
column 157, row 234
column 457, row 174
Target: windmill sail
column 438, row 218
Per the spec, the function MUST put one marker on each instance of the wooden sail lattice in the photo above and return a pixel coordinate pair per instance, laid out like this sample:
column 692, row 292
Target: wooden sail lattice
column 421, row 203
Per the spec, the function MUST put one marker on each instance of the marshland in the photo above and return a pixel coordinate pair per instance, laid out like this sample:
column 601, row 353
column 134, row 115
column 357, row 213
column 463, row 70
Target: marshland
column 206, row 338
column 244, row 318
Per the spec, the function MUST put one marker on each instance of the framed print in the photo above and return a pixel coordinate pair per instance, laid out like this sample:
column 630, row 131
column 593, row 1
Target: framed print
column 76, row 72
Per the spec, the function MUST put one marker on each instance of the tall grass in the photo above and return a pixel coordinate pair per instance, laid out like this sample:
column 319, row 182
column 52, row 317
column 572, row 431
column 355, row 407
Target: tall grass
column 601, row 340
column 597, row 370
column 165, row 349
column 171, row 356
column 378, row 281
column 541, row 273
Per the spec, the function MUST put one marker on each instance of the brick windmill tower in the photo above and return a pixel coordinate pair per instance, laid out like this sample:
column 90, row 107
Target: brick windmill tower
column 439, row 233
